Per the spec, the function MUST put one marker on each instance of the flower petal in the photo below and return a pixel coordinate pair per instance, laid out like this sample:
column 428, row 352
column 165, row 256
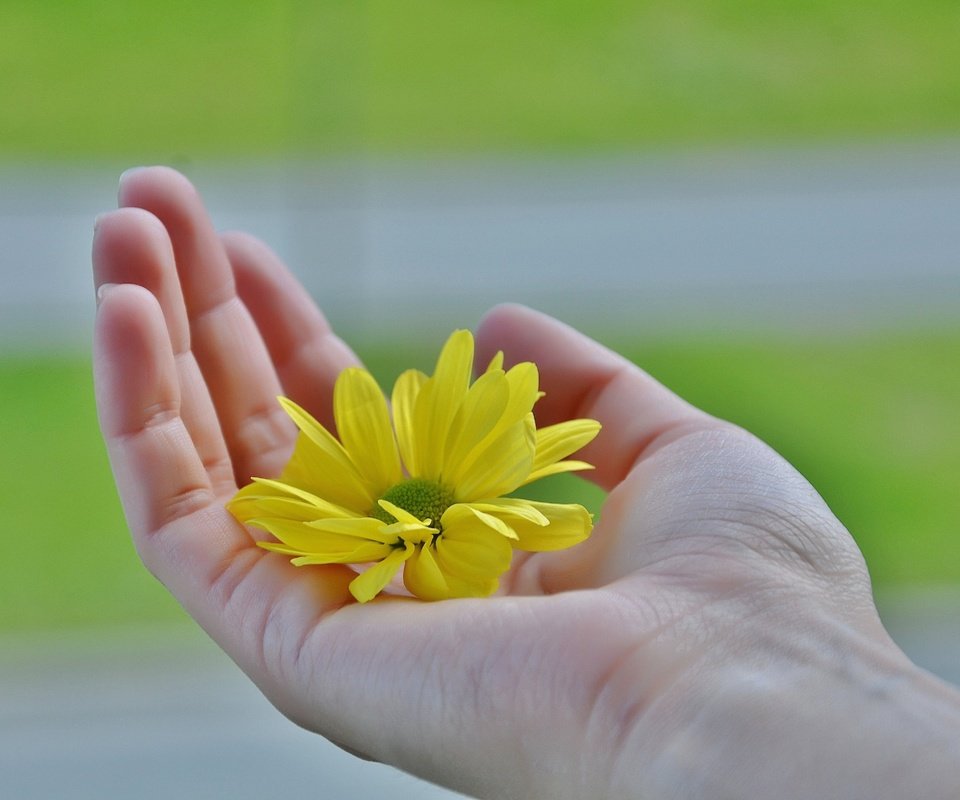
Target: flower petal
column 500, row 465
column 245, row 504
column 362, row 553
column 438, row 401
column 524, row 379
column 512, row 507
column 472, row 552
column 321, row 466
column 323, row 536
column 415, row 533
column 250, row 508
column 556, row 469
column 407, row 526
column 569, row 524
column 279, row 490
column 423, row 577
column 419, row 578
column 399, row 514
column 496, row 362
column 369, row 583
column 523, row 382
column 460, row 513
column 363, row 423
column 359, row 527
column 480, row 411
column 404, row 400
column 555, row 442
column 320, row 547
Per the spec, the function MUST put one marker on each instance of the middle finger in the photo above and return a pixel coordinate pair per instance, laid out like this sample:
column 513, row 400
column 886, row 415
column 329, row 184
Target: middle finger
column 232, row 356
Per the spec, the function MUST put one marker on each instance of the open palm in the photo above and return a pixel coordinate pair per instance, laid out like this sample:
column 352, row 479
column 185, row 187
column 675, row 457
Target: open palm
column 591, row 668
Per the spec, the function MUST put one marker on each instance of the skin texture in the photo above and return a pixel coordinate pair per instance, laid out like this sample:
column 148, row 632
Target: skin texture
column 716, row 637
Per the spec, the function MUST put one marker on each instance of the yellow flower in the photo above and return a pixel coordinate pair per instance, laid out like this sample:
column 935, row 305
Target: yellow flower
column 429, row 497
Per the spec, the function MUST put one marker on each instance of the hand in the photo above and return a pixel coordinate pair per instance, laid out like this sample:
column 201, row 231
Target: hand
column 716, row 637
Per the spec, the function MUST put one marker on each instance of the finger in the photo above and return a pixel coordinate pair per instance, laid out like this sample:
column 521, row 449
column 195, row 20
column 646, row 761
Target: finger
column 180, row 528
column 131, row 246
column 160, row 476
column 234, row 361
column 581, row 378
column 306, row 353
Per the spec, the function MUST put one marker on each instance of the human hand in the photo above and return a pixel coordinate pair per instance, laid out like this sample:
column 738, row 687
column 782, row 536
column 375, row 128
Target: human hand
column 716, row 636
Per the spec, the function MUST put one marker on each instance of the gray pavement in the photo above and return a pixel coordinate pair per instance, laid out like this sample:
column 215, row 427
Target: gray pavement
column 837, row 237
column 162, row 713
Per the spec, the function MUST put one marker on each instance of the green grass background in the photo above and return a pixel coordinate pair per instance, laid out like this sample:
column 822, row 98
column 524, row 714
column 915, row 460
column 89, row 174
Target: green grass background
column 870, row 420
column 184, row 81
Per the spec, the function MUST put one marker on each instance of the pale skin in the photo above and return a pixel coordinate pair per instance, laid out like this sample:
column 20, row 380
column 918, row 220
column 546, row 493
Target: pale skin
column 716, row 637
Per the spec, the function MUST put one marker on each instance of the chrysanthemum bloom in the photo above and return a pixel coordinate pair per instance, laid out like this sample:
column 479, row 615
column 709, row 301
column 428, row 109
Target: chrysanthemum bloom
column 429, row 497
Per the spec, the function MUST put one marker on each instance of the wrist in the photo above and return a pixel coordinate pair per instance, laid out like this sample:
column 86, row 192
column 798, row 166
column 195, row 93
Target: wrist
column 840, row 715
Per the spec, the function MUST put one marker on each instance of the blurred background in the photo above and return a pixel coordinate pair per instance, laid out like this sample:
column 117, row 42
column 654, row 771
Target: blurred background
column 756, row 200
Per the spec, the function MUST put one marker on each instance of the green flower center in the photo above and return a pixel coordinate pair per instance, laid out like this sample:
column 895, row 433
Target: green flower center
column 424, row 499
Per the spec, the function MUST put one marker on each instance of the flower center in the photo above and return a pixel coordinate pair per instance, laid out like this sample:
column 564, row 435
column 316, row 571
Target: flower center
column 424, row 499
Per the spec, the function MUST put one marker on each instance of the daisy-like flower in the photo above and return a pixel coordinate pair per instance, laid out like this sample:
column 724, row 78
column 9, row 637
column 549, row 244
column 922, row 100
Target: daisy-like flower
column 427, row 492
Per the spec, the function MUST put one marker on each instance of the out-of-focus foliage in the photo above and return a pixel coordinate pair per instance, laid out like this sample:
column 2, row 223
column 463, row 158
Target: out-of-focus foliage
column 179, row 80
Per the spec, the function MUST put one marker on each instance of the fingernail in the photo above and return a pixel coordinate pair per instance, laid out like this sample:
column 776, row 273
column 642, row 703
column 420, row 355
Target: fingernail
column 128, row 172
column 102, row 290
column 96, row 221
column 123, row 178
